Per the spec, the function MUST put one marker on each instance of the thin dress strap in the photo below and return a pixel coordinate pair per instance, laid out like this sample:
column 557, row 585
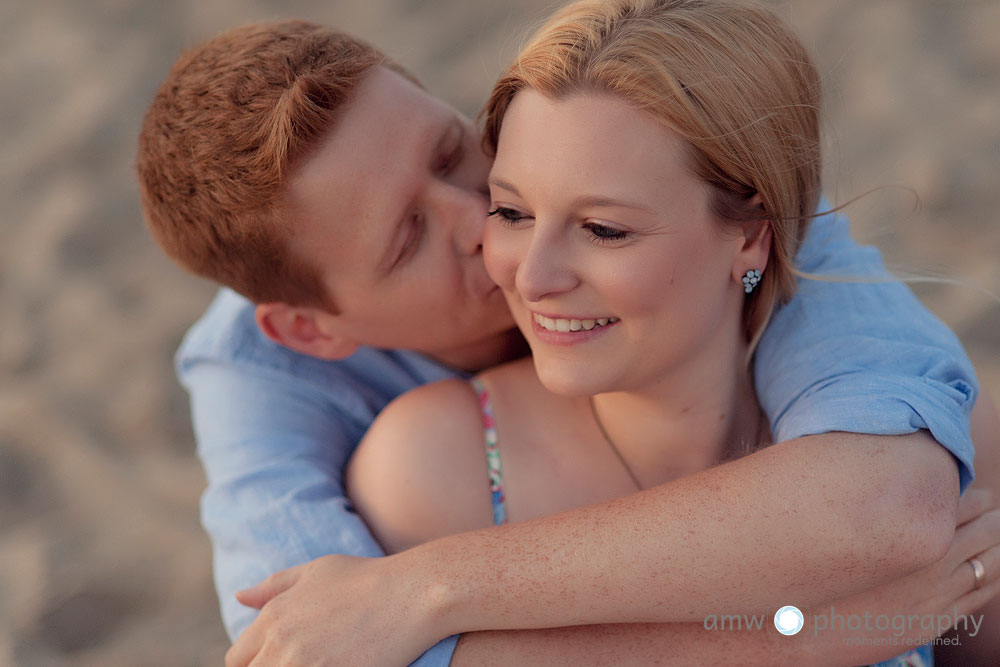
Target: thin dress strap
column 492, row 453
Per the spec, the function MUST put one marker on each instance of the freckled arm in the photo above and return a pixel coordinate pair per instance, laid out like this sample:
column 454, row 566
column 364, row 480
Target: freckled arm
column 804, row 522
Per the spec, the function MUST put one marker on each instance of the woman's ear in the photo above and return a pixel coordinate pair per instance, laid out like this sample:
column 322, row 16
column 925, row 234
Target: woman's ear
column 310, row 331
column 756, row 248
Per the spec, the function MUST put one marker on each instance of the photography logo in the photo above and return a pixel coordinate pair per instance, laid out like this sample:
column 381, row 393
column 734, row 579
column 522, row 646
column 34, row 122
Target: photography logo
column 788, row 620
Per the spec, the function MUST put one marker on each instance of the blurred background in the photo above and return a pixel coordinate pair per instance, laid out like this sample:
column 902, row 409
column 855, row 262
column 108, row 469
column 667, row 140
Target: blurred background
column 102, row 559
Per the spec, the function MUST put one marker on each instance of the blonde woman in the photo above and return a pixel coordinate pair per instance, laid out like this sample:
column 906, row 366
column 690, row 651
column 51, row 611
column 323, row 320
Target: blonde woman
column 657, row 166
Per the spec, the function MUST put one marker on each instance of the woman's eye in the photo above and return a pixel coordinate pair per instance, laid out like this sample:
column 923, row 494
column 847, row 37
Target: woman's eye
column 506, row 215
column 604, row 233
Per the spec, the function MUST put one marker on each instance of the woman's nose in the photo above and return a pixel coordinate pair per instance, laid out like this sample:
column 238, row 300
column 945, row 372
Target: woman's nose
column 546, row 269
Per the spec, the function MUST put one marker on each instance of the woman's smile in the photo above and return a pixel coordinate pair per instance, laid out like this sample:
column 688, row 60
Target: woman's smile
column 569, row 330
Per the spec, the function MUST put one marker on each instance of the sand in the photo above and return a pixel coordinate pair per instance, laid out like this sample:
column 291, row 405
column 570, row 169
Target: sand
column 102, row 560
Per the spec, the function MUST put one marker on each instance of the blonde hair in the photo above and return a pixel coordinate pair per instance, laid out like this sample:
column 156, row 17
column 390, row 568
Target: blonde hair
column 728, row 76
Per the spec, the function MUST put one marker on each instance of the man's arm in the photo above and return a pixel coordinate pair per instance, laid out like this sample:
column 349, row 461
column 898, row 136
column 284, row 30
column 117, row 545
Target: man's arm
column 862, row 356
column 982, row 649
column 808, row 520
column 299, row 606
column 813, row 518
column 760, row 644
column 274, row 432
column 639, row 645
column 271, row 485
column 802, row 523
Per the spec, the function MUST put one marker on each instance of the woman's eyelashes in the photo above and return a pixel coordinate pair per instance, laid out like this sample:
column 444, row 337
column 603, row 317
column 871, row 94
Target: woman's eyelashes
column 605, row 234
column 507, row 216
column 597, row 232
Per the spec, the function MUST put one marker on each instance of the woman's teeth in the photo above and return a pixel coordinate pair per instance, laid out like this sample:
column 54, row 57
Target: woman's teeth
column 550, row 324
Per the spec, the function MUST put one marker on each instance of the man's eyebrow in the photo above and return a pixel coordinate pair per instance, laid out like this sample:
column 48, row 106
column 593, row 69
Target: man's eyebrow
column 586, row 200
column 453, row 133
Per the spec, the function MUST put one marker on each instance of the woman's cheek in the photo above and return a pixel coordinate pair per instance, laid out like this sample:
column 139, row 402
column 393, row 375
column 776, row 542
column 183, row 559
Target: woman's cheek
column 500, row 255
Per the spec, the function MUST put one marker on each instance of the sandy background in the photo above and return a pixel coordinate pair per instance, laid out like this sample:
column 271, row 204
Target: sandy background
column 102, row 560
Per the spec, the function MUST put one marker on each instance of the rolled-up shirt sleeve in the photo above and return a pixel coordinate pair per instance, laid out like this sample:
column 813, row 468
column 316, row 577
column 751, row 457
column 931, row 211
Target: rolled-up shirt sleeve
column 275, row 496
column 274, row 432
column 858, row 352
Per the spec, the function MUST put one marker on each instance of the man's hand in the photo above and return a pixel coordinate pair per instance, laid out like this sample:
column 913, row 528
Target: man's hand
column 928, row 597
column 335, row 610
column 920, row 603
column 339, row 610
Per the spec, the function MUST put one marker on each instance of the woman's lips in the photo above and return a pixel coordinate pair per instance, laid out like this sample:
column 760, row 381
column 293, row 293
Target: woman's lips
column 569, row 330
column 564, row 325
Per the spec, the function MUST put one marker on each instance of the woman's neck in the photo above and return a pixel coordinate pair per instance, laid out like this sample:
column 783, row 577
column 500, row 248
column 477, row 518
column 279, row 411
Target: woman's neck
column 490, row 351
column 704, row 412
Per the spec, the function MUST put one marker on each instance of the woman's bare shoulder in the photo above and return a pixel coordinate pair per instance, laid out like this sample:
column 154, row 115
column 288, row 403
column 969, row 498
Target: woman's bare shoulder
column 420, row 471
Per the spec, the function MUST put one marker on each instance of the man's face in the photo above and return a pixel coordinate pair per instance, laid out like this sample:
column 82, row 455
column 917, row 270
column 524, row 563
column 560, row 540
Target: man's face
column 391, row 208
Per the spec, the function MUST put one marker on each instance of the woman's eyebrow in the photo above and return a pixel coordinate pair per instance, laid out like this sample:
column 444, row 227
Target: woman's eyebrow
column 503, row 185
column 602, row 201
column 585, row 200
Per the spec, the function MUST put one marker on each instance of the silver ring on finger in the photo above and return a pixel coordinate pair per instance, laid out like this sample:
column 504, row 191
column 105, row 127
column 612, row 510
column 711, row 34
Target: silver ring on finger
column 978, row 571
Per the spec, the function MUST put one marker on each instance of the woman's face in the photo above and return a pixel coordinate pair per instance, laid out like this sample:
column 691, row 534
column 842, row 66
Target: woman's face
column 602, row 241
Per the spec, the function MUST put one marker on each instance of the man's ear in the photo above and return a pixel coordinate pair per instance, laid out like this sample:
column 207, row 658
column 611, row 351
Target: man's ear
column 756, row 246
column 310, row 331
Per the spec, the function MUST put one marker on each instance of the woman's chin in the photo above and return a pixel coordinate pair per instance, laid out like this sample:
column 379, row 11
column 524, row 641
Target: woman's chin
column 570, row 381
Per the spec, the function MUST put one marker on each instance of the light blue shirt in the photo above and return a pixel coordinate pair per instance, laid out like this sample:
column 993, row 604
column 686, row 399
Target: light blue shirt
column 275, row 428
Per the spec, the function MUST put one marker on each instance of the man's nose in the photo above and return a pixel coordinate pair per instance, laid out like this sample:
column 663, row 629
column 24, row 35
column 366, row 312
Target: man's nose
column 546, row 268
column 463, row 211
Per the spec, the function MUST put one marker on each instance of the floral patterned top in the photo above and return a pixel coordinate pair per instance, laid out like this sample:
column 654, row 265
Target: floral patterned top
column 494, row 470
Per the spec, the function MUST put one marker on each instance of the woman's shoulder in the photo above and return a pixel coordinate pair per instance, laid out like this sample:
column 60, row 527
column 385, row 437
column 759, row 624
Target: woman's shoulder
column 422, row 408
column 514, row 389
column 420, row 471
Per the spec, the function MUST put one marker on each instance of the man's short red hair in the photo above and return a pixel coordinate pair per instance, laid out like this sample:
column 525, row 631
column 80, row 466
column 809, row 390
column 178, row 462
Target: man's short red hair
column 230, row 121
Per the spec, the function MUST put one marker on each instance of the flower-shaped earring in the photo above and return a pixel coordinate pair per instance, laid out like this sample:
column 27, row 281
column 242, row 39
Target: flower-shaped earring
column 750, row 280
